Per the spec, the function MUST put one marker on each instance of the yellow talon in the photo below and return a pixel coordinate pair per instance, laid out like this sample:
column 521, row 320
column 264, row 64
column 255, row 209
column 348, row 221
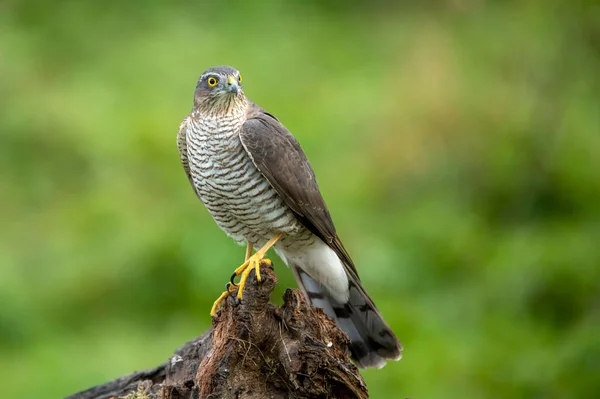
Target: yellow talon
column 229, row 290
column 252, row 262
column 221, row 298
column 240, row 270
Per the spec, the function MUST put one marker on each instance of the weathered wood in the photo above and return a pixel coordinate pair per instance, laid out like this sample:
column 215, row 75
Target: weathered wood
column 254, row 350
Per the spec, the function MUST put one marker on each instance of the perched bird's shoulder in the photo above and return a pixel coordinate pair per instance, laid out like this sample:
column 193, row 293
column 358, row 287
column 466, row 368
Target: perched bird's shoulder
column 263, row 129
column 256, row 111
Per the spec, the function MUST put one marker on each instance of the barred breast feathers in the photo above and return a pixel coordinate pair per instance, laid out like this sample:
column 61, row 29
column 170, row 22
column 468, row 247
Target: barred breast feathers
column 239, row 198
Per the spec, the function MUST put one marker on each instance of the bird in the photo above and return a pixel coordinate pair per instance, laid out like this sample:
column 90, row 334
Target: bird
column 259, row 187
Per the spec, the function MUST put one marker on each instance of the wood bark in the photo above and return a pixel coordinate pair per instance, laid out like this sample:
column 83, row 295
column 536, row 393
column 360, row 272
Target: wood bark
column 253, row 350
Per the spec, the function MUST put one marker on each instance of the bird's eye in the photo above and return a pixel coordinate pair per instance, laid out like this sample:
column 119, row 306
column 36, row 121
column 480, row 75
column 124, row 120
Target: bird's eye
column 212, row 82
column 240, row 79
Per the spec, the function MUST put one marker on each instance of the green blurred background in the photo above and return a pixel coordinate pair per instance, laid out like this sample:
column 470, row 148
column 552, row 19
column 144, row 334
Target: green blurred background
column 457, row 144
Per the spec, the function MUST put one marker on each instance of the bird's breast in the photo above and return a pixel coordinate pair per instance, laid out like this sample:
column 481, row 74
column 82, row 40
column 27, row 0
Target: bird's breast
column 236, row 194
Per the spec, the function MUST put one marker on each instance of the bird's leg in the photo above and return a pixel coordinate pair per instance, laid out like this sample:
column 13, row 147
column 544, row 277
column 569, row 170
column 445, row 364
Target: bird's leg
column 248, row 251
column 253, row 262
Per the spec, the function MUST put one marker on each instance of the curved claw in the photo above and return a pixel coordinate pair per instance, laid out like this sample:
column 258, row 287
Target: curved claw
column 253, row 264
column 231, row 287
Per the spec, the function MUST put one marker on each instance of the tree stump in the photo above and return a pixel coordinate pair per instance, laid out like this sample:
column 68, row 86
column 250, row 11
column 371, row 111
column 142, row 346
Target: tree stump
column 253, row 350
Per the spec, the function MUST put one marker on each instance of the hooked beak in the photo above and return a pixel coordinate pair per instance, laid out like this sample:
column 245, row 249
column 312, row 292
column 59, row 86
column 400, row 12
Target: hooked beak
column 232, row 85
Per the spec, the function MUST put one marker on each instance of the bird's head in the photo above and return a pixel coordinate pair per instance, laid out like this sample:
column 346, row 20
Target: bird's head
column 219, row 88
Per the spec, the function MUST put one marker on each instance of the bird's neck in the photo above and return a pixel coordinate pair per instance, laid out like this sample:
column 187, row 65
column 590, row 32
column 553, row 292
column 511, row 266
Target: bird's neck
column 220, row 107
column 222, row 124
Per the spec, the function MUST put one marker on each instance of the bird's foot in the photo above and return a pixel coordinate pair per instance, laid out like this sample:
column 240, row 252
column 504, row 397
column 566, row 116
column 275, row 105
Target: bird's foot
column 252, row 263
column 229, row 290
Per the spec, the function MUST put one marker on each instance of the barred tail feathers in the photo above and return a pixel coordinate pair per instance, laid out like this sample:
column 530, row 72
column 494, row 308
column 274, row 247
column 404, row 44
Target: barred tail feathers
column 372, row 340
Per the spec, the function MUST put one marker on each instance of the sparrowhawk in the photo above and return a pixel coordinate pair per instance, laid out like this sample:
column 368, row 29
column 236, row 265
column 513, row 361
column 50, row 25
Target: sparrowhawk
column 257, row 184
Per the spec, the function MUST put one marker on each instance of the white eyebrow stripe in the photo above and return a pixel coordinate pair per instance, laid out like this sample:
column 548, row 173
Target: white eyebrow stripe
column 207, row 74
column 218, row 75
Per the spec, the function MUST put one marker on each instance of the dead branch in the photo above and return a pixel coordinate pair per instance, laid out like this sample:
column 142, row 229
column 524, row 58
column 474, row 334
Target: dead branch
column 254, row 350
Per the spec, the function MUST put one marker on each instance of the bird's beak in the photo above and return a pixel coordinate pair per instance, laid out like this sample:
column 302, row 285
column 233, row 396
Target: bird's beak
column 232, row 85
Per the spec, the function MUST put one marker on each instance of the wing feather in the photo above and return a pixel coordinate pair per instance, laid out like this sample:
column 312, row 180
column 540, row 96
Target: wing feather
column 281, row 160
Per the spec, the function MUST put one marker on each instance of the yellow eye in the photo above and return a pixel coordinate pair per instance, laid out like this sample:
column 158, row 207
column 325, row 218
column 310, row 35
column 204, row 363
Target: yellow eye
column 240, row 79
column 212, row 82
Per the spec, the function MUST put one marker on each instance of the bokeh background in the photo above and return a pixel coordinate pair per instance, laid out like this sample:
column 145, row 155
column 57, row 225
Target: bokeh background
column 457, row 143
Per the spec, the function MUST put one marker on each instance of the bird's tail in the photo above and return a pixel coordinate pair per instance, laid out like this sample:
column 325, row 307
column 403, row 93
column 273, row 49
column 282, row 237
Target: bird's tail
column 372, row 342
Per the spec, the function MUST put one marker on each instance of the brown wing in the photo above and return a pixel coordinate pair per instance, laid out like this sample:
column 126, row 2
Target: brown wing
column 280, row 159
